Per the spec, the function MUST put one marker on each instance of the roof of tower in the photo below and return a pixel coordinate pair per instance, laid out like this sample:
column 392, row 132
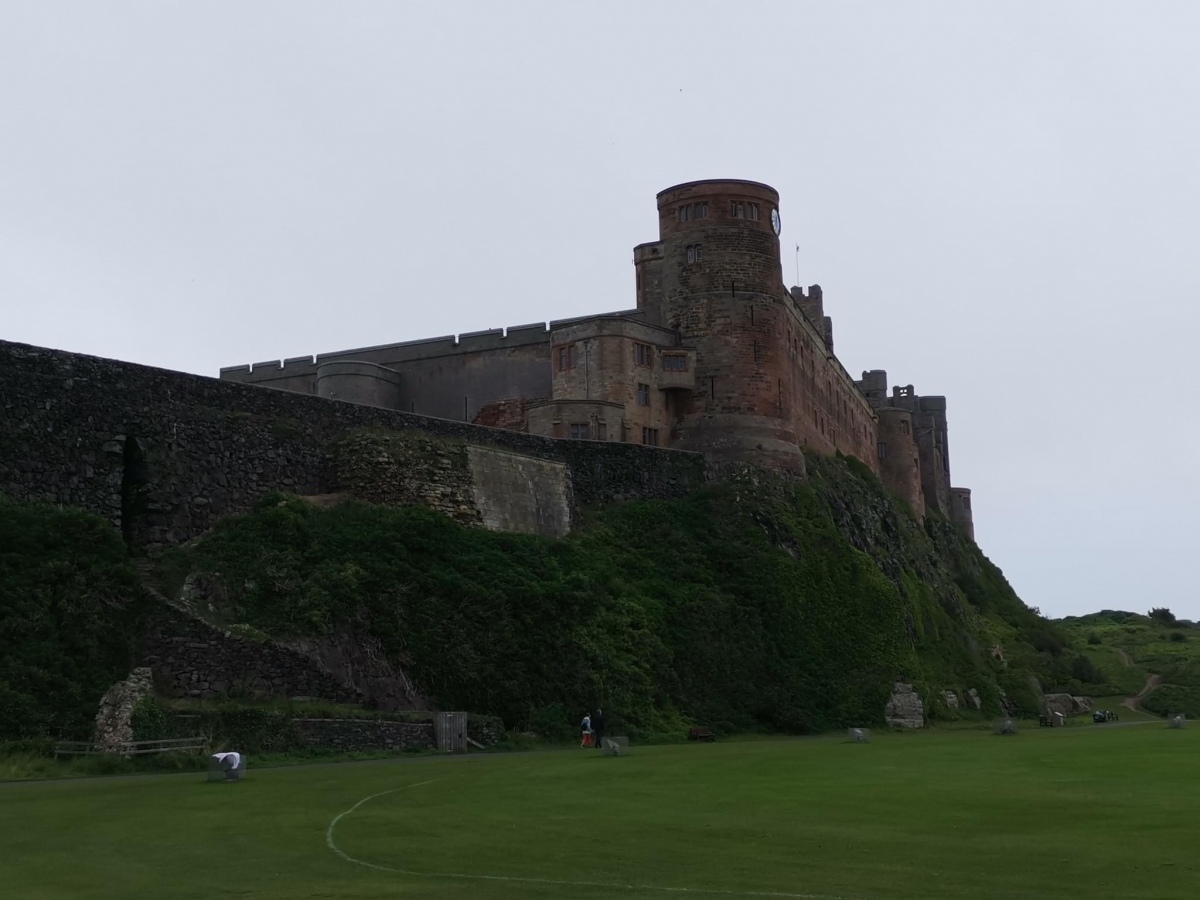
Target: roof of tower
column 688, row 184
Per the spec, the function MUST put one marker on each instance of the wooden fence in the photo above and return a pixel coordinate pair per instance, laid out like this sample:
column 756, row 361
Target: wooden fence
column 130, row 748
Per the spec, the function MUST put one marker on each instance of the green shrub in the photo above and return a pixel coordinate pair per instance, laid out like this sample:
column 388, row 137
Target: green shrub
column 1162, row 615
column 1086, row 671
column 71, row 610
column 1169, row 699
column 149, row 721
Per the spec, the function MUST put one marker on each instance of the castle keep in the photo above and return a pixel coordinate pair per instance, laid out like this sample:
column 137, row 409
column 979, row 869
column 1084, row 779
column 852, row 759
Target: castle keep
column 717, row 357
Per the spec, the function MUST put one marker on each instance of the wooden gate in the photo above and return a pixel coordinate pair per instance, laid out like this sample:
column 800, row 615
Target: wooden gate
column 450, row 728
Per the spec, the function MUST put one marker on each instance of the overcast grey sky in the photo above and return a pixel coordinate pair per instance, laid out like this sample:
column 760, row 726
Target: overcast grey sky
column 1000, row 201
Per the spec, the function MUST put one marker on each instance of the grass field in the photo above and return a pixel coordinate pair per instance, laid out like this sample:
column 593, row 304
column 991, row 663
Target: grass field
column 1074, row 813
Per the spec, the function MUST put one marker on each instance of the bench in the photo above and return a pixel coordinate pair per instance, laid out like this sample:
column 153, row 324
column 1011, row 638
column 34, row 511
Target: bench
column 700, row 733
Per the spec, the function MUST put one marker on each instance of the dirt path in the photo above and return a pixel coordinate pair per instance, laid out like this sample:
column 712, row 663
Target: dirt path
column 1134, row 702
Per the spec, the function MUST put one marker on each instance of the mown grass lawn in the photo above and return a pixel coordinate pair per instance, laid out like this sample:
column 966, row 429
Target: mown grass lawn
column 1071, row 813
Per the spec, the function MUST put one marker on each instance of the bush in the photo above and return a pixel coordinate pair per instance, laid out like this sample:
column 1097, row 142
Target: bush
column 150, row 721
column 1093, row 638
column 553, row 723
column 1174, row 698
column 1162, row 615
column 1086, row 671
column 1178, row 637
column 71, row 609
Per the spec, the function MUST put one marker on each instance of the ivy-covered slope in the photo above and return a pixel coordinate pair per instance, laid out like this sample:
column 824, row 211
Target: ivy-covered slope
column 71, row 611
column 757, row 603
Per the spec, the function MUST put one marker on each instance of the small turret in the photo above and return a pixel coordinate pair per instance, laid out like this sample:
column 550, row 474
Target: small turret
column 960, row 510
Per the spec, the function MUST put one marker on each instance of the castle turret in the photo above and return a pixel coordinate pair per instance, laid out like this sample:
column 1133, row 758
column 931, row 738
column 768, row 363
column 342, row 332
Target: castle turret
column 358, row 382
column 647, row 263
column 722, row 288
column 874, row 386
column 960, row 510
column 899, row 461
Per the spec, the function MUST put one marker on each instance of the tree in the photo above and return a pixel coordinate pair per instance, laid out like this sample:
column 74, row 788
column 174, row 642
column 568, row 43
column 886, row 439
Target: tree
column 1162, row 615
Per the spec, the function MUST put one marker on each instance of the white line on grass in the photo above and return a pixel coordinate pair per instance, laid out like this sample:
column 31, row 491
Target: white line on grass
column 547, row 881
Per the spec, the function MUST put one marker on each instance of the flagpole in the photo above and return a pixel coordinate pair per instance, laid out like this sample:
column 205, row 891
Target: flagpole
column 797, row 265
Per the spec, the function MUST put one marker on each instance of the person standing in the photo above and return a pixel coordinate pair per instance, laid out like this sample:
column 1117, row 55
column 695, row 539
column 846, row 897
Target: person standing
column 586, row 726
column 598, row 728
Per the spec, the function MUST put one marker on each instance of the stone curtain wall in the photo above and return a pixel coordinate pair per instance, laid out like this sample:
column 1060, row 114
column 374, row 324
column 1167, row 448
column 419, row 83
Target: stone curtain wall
column 520, row 493
column 349, row 735
column 166, row 453
column 279, row 731
column 471, row 484
column 190, row 658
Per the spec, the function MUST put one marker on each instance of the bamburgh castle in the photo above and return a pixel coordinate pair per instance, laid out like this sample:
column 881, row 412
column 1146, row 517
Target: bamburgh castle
column 717, row 357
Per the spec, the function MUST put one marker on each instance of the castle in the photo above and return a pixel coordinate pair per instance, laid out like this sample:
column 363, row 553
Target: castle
column 718, row 357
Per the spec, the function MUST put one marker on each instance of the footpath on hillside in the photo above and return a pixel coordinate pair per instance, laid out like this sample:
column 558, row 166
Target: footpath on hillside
column 1152, row 681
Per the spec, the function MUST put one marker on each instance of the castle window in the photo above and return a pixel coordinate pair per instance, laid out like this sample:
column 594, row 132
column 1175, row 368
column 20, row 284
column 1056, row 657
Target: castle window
column 882, row 450
column 642, row 355
column 737, row 210
column 685, row 213
column 643, row 395
column 580, row 431
column 903, row 426
column 693, row 253
column 650, row 437
column 566, row 357
column 701, row 211
column 673, row 362
column 752, row 212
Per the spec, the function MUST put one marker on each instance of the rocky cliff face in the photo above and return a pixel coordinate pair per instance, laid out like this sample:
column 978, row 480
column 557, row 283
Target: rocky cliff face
column 114, row 720
column 904, row 708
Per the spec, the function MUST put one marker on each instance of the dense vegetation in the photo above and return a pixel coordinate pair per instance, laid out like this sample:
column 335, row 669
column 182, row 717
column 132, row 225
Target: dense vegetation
column 70, row 613
column 1129, row 647
column 759, row 603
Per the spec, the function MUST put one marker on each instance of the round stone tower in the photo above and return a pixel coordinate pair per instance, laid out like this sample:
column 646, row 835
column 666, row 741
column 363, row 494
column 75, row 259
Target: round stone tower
column 899, row 462
column 722, row 288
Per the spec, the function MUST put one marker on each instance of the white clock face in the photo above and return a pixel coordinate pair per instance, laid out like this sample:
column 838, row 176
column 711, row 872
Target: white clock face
column 775, row 223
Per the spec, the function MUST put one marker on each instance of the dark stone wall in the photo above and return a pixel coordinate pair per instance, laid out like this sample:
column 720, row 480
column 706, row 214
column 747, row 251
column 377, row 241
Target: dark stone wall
column 278, row 731
column 190, row 658
column 164, row 454
column 349, row 735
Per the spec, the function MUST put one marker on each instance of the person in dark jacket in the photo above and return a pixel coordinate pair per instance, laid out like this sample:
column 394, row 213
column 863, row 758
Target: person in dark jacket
column 598, row 727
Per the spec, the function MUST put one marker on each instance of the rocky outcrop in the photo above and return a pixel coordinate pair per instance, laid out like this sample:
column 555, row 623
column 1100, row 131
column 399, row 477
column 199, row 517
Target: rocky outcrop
column 1066, row 704
column 973, row 699
column 114, row 720
column 951, row 699
column 905, row 709
column 359, row 660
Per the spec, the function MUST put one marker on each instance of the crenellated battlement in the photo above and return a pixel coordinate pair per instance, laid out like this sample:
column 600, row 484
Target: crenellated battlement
column 718, row 356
